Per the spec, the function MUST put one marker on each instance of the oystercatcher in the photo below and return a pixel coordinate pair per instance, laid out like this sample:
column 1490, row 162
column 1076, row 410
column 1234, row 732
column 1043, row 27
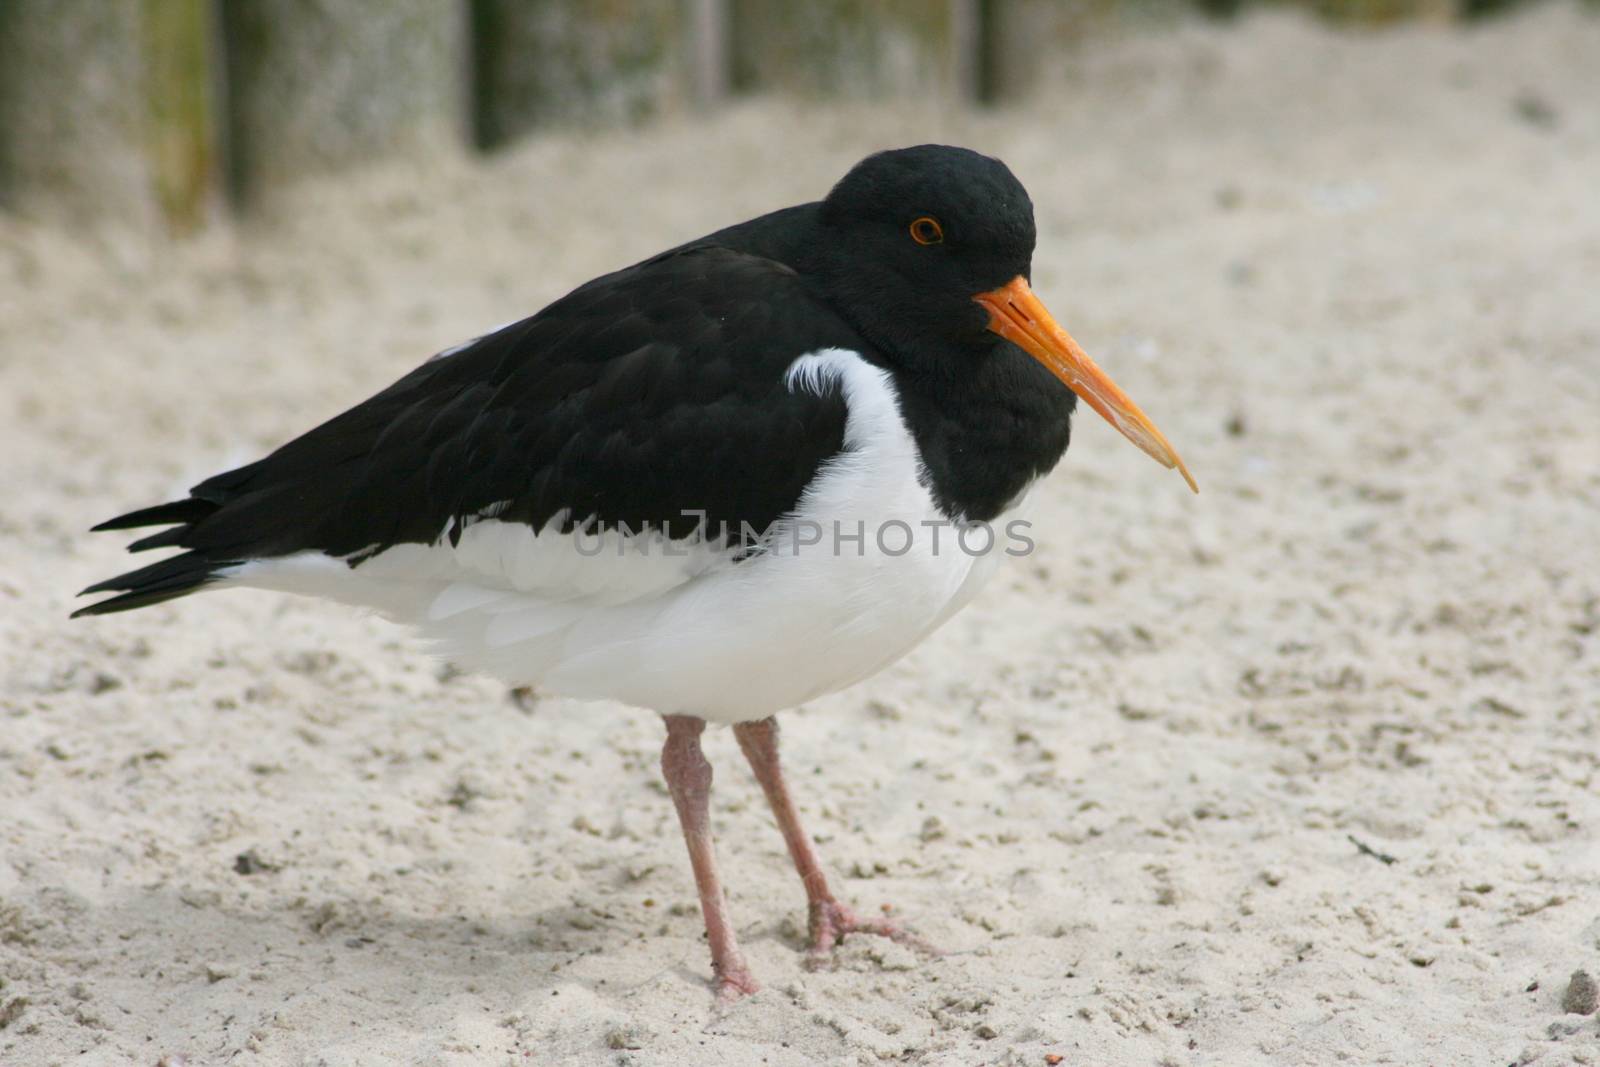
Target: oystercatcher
column 711, row 484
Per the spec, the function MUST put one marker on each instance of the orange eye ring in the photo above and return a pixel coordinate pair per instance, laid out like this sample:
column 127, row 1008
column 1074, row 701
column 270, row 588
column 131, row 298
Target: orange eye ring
column 925, row 230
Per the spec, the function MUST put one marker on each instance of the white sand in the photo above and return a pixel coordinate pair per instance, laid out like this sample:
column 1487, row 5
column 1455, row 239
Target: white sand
column 1120, row 788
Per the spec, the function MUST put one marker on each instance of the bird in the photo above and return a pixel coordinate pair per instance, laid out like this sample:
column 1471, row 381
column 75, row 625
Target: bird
column 708, row 485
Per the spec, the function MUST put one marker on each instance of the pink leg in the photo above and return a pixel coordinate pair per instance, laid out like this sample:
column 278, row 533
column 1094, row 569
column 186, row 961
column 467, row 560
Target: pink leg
column 830, row 920
column 689, row 781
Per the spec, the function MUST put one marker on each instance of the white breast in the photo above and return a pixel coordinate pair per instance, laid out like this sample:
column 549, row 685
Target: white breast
column 689, row 630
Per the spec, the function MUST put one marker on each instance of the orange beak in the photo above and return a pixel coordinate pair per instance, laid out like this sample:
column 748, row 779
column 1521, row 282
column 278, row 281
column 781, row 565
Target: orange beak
column 1018, row 316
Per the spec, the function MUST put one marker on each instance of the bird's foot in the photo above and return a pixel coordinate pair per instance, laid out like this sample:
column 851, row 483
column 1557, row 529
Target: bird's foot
column 735, row 982
column 831, row 921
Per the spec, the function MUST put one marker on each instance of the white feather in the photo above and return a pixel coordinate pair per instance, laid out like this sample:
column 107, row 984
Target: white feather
column 464, row 345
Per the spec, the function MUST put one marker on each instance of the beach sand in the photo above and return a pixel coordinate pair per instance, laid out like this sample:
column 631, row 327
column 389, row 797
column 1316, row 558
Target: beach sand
column 1302, row 770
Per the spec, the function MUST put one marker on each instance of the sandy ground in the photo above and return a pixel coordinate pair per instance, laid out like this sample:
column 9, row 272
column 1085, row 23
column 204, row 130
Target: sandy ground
column 1353, row 277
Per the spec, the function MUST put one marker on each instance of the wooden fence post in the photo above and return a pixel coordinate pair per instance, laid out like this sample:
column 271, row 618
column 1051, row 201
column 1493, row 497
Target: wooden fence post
column 834, row 48
column 72, row 132
column 708, row 50
column 319, row 84
column 560, row 62
column 181, row 81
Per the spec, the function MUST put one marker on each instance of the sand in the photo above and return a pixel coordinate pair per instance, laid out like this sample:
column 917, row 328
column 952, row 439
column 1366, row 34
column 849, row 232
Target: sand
column 1302, row 770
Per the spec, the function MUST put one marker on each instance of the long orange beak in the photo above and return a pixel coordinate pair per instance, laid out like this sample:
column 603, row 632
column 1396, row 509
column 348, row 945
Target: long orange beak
column 1018, row 316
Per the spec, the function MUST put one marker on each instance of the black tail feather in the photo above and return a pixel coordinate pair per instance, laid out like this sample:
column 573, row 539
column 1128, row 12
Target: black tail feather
column 168, row 538
column 187, row 511
column 162, row 580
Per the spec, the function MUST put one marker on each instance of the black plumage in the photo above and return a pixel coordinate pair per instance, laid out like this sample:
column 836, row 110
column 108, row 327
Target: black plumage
column 655, row 395
column 640, row 400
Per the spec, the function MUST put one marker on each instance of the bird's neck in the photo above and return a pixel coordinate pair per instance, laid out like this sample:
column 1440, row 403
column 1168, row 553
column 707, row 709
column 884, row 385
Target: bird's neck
column 987, row 433
column 987, row 423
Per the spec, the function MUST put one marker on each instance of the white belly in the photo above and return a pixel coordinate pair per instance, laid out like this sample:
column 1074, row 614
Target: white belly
column 692, row 631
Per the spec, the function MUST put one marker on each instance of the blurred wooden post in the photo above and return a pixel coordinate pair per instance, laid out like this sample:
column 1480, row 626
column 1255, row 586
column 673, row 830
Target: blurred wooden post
column 314, row 85
column 542, row 63
column 71, row 125
column 708, row 50
column 848, row 48
column 483, row 56
column 972, row 47
column 1025, row 39
column 180, row 90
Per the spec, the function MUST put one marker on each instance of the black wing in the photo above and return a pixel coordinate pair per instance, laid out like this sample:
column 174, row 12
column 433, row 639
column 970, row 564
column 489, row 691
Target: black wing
column 636, row 400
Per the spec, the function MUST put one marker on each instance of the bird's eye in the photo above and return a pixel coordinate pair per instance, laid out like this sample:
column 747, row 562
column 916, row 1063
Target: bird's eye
column 926, row 230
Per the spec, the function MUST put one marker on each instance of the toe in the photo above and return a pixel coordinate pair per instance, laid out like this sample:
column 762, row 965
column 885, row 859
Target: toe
column 736, row 985
column 832, row 922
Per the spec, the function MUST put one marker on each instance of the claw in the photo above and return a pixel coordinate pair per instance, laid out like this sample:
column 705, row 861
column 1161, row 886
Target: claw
column 832, row 921
column 735, row 985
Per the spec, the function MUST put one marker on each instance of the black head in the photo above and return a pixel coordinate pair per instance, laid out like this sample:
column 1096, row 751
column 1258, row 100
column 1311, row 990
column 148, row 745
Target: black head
column 912, row 235
column 929, row 252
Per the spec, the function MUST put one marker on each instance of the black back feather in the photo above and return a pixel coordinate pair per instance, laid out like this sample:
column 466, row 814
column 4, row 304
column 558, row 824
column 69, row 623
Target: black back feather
column 642, row 399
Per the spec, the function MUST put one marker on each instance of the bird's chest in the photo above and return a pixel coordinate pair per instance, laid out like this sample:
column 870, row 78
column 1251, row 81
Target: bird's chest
column 867, row 565
column 868, row 562
column 866, row 570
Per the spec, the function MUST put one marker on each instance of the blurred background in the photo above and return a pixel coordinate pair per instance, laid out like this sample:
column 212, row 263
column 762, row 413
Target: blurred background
column 170, row 111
